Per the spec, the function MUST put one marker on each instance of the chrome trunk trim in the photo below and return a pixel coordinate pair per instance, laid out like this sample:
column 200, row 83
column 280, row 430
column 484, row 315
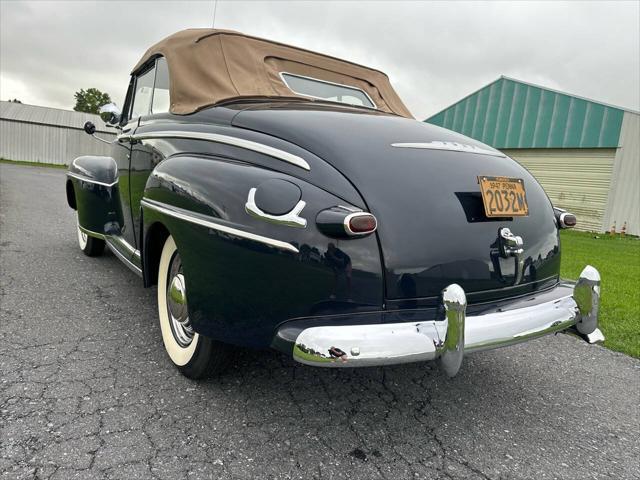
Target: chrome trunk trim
column 227, row 140
column 207, row 222
column 451, row 146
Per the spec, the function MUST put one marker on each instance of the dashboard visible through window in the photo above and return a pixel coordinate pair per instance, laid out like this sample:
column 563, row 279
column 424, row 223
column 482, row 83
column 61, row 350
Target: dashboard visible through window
column 335, row 92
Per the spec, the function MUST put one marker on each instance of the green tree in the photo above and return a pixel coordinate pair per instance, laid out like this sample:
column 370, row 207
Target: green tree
column 90, row 100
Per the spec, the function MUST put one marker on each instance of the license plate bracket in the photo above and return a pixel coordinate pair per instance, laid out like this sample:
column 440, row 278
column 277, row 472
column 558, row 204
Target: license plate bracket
column 503, row 196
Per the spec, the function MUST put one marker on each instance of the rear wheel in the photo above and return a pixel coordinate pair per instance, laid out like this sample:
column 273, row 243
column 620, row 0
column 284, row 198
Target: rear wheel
column 194, row 355
column 90, row 246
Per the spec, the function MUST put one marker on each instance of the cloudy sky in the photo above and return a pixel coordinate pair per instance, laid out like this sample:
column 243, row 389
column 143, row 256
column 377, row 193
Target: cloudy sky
column 434, row 52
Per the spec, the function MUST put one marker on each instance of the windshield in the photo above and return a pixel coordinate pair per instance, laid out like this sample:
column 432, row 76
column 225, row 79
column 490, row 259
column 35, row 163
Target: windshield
column 311, row 87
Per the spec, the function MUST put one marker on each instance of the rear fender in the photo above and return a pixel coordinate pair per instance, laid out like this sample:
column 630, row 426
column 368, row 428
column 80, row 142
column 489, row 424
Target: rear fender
column 245, row 275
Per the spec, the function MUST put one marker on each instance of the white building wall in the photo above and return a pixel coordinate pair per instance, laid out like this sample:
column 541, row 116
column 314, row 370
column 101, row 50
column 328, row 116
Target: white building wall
column 576, row 179
column 623, row 204
column 31, row 142
column 48, row 135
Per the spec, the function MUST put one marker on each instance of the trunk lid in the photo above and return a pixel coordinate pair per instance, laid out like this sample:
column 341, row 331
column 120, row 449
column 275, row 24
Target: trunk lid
column 431, row 224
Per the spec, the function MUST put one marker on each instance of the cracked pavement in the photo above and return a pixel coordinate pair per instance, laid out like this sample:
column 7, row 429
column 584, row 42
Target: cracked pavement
column 86, row 390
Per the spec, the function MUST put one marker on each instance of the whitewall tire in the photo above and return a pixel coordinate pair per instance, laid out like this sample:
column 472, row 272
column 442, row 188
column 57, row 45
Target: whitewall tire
column 195, row 356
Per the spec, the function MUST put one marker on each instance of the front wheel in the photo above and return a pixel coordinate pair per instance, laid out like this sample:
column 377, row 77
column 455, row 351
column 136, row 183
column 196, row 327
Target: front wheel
column 194, row 355
column 90, row 246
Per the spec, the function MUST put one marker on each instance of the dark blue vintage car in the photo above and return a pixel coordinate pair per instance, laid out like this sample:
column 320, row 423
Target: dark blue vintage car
column 282, row 198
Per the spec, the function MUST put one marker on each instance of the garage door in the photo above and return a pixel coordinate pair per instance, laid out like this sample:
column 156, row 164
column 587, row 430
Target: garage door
column 575, row 179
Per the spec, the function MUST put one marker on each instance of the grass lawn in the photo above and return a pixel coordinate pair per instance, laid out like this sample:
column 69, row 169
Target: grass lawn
column 618, row 261
column 32, row 164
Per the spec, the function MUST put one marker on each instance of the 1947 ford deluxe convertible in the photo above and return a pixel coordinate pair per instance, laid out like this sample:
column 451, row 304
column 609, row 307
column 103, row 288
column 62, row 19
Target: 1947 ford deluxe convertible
column 282, row 198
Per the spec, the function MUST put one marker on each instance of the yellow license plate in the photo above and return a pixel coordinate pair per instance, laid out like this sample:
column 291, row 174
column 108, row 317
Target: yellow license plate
column 503, row 197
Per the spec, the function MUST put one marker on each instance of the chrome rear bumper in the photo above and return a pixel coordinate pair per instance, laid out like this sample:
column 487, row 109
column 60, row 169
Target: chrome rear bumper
column 450, row 338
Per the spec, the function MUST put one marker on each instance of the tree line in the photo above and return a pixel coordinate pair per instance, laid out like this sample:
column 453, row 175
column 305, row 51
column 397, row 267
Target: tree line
column 87, row 101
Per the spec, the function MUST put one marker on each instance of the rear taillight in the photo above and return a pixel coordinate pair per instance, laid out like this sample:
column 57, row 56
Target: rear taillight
column 565, row 219
column 343, row 222
column 360, row 223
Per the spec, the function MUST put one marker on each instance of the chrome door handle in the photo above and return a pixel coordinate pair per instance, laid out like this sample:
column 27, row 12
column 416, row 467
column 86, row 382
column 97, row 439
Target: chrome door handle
column 290, row 219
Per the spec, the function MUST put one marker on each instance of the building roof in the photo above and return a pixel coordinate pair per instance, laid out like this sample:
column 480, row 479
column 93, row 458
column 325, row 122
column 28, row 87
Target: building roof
column 21, row 112
column 208, row 66
column 509, row 113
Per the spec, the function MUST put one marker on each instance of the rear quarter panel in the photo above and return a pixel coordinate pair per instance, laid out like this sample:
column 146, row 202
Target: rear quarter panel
column 240, row 290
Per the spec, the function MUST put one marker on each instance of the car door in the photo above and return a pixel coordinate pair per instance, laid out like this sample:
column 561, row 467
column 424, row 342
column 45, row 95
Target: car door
column 138, row 104
column 144, row 157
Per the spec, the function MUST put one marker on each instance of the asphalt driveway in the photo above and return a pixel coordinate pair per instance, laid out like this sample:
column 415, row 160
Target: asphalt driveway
column 86, row 390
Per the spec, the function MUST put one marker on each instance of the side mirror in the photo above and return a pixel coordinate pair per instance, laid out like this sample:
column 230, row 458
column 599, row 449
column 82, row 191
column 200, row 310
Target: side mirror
column 90, row 128
column 110, row 114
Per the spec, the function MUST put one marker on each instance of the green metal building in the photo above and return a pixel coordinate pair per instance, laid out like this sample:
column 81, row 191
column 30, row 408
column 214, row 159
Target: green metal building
column 586, row 154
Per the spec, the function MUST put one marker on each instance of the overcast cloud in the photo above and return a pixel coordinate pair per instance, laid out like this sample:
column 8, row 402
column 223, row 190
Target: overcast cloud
column 434, row 52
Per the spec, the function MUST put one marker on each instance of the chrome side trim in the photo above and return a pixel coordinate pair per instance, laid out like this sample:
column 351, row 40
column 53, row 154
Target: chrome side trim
column 290, row 219
column 181, row 214
column 451, row 146
column 111, row 238
column 124, row 244
column 91, row 233
column 227, row 140
column 90, row 180
column 124, row 259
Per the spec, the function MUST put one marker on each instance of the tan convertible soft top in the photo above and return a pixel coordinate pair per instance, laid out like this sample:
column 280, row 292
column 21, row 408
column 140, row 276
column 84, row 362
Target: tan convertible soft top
column 208, row 66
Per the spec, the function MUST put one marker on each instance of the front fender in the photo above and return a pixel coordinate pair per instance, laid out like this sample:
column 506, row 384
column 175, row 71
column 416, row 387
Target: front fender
column 92, row 189
column 246, row 275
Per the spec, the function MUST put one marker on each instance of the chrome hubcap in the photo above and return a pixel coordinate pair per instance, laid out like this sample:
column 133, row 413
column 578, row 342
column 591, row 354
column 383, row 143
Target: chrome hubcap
column 177, row 304
column 177, row 299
